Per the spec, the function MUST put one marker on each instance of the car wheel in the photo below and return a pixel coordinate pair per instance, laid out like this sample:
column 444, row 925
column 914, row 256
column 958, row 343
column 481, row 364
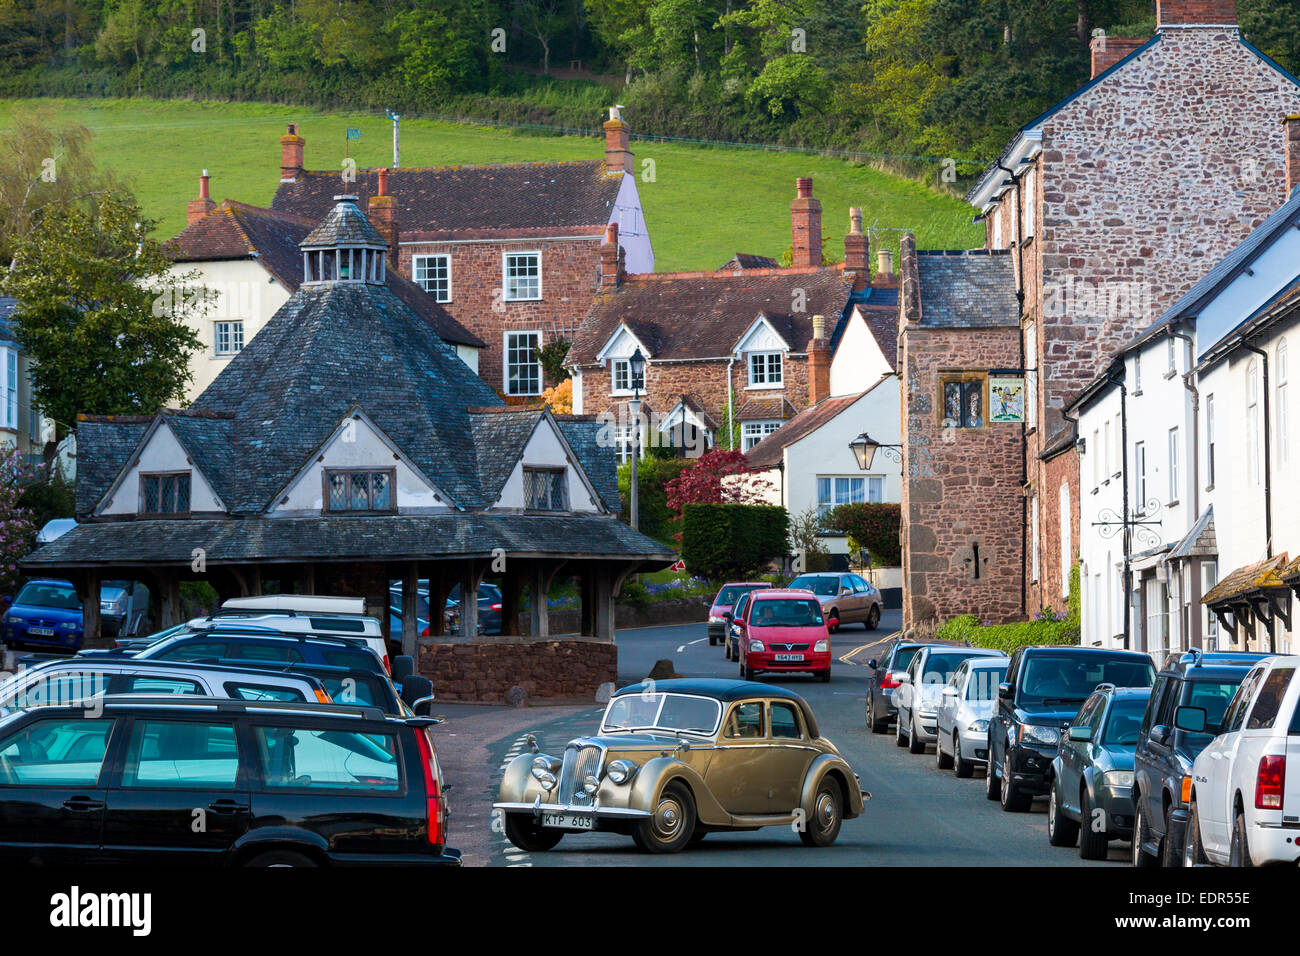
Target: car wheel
column 823, row 825
column 899, row 738
column 824, row 676
column 915, row 745
column 879, row 725
column 873, row 619
column 834, row 614
column 528, row 836
column 1193, row 851
column 281, row 858
column 1061, row 830
column 1239, row 849
column 1171, row 855
column 1140, row 856
column 942, row 761
column 1013, row 799
column 746, row 672
column 992, row 785
column 671, row 824
column 713, row 642
column 1093, row 844
column 961, row 767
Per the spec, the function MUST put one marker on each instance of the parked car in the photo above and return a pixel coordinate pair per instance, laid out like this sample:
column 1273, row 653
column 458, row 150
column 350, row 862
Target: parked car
column 677, row 759
column 68, row 680
column 845, row 598
column 921, row 689
column 720, row 611
column 1162, row 769
column 280, row 784
column 1044, row 689
column 1245, row 808
column 489, row 608
column 353, row 685
column 248, row 641
column 782, row 632
column 965, row 707
column 47, row 612
column 731, row 650
column 883, row 685
column 1091, row 796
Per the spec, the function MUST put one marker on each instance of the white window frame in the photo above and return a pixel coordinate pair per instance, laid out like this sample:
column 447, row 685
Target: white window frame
column 622, row 367
column 1140, row 477
column 1095, row 454
column 423, row 260
column 230, row 324
column 506, row 363
column 1174, row 464
column 1033, row 534
column 505, row 275
column 1031, row 206
column 1067, row 544
column 1209, row 441
column 1118, row 446
column 1252, row 422
column 765, row 359
column 848, row 489
column 751, row 433
column 1209, row 620
column 1031, row 376
column 9, row 388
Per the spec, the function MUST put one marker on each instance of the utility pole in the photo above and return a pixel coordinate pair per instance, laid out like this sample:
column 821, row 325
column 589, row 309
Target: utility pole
column 397, row 124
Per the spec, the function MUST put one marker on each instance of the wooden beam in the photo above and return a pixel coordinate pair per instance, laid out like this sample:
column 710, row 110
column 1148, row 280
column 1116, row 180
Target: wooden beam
column 410, row 635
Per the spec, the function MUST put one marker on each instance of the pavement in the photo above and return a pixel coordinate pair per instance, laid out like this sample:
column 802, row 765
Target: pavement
column 918, row 815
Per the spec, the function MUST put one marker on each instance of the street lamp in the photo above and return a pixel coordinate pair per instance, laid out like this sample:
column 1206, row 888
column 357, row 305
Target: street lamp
column 864, row 449
column 636, row 370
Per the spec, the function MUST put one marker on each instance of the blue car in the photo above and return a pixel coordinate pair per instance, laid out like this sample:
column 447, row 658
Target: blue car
column 45, row 612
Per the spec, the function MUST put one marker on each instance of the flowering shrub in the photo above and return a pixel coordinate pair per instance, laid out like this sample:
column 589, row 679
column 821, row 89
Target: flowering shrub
column 559, row 399
column 701, row 483
column 17, row 531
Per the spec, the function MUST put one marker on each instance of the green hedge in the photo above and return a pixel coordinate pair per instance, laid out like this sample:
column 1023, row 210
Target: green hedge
column 730, row 540
column 870, row 525
column 1045, row 629
column 653, row 514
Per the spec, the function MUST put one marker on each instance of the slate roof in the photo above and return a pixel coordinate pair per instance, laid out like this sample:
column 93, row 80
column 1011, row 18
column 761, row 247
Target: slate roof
column 768, row 453
column 466, row 201
column 236, row 230
column 104, row 445
column 703, row 314
column 343, row 225
column 967, row 289
column 396, row 537
column 1200, row 539
column 599, row 462
column 765, row 409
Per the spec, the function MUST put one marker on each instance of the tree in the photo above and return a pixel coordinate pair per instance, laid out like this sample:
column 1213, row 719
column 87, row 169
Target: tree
column 559, row 398
column 541, row 18
column 17, row 532
column 810, row 553
column 717, row 477
column 98, row 312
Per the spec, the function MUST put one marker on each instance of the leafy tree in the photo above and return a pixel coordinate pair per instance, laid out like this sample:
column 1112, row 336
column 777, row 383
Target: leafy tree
column 95, row 312
column 716, row 477
column 17, row 531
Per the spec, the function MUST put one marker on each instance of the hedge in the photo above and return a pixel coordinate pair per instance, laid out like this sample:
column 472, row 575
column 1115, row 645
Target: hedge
column 731, row 540
column 870, row 525
column 1045, row 629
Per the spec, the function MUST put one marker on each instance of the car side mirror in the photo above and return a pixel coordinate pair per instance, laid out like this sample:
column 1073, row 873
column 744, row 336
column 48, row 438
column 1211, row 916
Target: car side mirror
column 1004, row 691
column 844, row 591
column 905, row 678
column 728, row 616
column 873, row 664
column 423, row 707
column 1081, row 734
column 1194, row 720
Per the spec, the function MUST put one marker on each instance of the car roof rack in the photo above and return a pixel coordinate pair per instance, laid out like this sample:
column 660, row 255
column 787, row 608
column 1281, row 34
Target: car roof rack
column 198, row 702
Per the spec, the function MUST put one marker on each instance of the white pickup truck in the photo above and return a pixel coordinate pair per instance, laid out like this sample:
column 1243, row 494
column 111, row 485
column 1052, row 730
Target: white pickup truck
column 1245, row 807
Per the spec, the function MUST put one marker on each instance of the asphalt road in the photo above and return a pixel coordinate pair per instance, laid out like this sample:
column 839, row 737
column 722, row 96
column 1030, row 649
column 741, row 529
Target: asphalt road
column 917, row 816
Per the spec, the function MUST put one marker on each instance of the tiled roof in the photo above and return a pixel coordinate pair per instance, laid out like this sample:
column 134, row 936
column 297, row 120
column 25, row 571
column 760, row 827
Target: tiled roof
column 1249, row 578
column 499, row 439
column 600, row 462
column 765, row 409
column 703, row 314
column 343, row 225
column 450, row 201
column 103, row 447
column 394, row 537
column 745, row 260
column 236, row 230
column 967, row 289
column 1200, row 540
column 768, row 452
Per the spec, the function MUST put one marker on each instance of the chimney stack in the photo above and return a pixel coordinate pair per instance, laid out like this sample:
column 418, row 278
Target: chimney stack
column 885, row 264
column 806, row 225
column 618, row 135
column 819, row 362
column 857, row 253
column 909, row 294
column 1107, row 51
column 383, row 216
column 197, row 209
column 609, row 258
column 1196, row 13
column 1291, row 143
column 291, row 145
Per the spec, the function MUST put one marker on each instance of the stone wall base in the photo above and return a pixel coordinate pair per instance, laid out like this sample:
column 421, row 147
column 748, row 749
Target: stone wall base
column 484, row 671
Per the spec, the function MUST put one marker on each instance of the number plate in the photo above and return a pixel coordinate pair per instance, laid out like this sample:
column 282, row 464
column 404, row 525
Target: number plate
column 789, row 657
column 41, row 631
column 569, row 821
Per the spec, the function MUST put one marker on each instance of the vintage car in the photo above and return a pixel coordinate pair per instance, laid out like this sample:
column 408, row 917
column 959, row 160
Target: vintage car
column 677, row 759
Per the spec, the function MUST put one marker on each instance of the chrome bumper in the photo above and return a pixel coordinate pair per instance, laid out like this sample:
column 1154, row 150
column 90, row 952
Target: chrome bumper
column 537, row 808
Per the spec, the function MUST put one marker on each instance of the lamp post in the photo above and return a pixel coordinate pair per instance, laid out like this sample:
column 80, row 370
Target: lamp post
column 636, row 370
column 864, row 449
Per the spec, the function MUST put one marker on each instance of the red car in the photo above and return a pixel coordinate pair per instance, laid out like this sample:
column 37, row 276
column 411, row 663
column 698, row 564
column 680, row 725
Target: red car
column 784, row 632
column 720, row 612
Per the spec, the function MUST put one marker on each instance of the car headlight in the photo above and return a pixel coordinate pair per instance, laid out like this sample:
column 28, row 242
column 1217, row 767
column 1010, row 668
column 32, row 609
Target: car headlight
column 590, row 784
column 978, row 727
column 1039, row 734
column 1119, row 779
column 714, row 619
column 621, row 771
column 822, row 646
column 542, row 773
column 68, row 624
column 756, row 646
column 15, row 620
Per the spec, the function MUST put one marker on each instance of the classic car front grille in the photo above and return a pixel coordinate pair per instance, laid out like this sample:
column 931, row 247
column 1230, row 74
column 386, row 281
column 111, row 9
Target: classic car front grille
column 578, row 763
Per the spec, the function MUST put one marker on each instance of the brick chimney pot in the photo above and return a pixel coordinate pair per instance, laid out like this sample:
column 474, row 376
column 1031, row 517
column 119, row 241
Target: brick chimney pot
column 806, row 225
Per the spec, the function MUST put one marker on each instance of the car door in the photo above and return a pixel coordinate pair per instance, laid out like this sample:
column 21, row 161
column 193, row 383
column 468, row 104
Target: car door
column 950, row 699
column 179, row 797
column 1072, row 758
column 1003, row 709
column 738, row 773
column 790, row 756
column 906, row 692
column 1147, row 759
column 53, row 773
column 1212, row 794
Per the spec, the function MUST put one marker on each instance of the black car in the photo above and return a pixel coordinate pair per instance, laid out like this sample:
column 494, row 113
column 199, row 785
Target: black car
column 1091, row 801
column 883, row 683
column 1162, row 766
column 1044, row 689
column 731, row 642
column 274, row 783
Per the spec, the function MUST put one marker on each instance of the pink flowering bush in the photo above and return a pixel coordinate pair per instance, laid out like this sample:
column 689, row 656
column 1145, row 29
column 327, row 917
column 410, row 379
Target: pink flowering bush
column 17, row 531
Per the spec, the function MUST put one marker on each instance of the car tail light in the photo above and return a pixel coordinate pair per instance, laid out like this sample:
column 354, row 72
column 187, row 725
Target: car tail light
column 425, row 632
column 1269, row 782
column 433, row 800
column 889, row 681
column 495, row 607
column 387, row 666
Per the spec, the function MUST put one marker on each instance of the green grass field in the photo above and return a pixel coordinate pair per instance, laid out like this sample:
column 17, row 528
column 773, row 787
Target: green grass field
column 703, row 205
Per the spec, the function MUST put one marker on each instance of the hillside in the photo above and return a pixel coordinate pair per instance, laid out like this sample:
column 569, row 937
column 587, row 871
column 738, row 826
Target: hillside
column 703, row 205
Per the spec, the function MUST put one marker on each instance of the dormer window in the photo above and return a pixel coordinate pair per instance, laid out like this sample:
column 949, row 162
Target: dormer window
column 545, row 489
column 165, row 493
column 360, row 490
column 765, row 370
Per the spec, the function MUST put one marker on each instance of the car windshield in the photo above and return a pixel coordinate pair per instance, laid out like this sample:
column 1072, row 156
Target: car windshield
column 1213, row 696
column 727, row 596
column 671, row 712
column 983, row 683
column 1069, row 679
column 46, row 594
column 816, row 583
column 786, row 612
column 1124, row 721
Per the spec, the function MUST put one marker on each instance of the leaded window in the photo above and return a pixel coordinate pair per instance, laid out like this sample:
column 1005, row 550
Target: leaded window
column 545, row 489
column 359, row 490
column 963, row 403
column 165, row 494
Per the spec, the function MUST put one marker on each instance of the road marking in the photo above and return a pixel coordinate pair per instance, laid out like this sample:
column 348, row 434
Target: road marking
column 689, row 643
column 848, row 658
